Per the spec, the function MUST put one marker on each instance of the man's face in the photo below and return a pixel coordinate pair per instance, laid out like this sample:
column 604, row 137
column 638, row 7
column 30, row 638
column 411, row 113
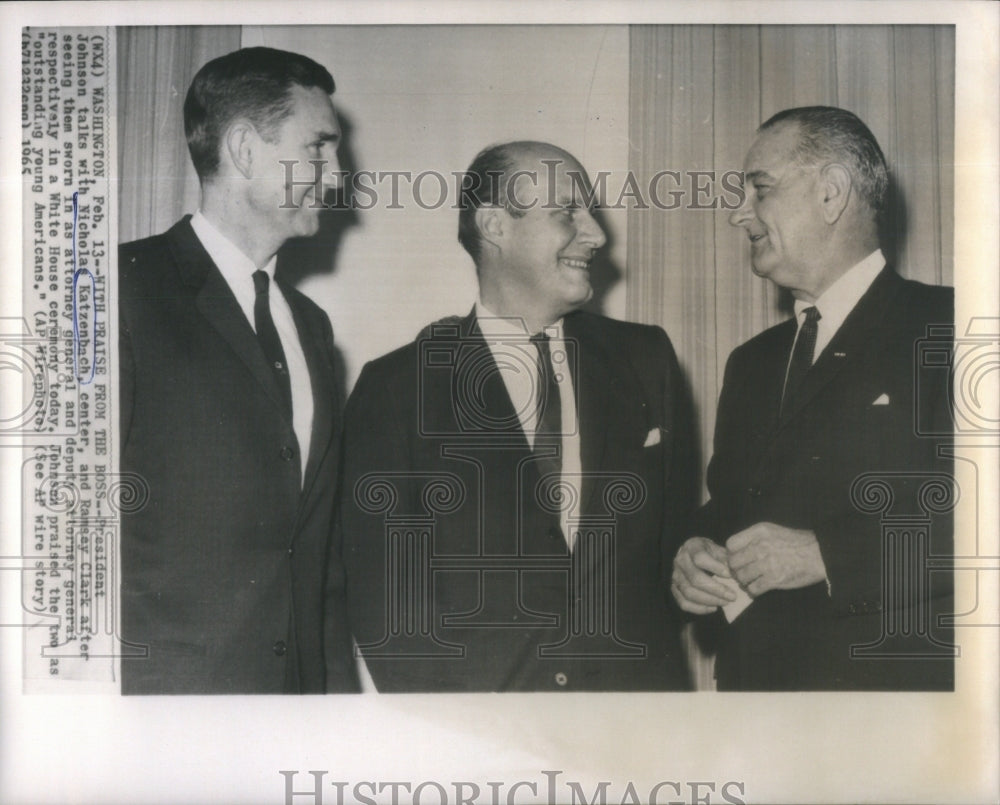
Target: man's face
column 782, row 214
column 547, row 252
column 288, row 198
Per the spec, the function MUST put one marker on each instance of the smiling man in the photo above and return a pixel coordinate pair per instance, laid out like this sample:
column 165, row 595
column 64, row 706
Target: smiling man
column 514, row 481
column 817, row 422
column 231, row 583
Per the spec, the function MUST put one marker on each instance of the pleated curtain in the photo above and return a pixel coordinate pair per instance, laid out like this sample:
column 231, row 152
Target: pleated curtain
column 696, row 96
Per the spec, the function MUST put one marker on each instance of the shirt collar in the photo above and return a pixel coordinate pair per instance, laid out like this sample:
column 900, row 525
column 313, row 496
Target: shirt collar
column 837, row 301
column 491, row 324
column 230, row 259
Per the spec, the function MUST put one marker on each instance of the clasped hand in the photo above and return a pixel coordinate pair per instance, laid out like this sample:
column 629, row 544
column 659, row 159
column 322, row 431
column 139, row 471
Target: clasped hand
column 762, row 557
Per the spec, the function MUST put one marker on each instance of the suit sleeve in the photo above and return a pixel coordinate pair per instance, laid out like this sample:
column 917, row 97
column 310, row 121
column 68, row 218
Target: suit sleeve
column 680, row 474
column 341, row 672
column 859, row 571
column 711, row 518
column 374, row 450
column 341, row 675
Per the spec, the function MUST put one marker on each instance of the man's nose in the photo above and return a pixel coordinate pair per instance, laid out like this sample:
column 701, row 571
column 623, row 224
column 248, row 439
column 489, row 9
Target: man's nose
column 332, row 178
column 743, row 215
column 589, row 231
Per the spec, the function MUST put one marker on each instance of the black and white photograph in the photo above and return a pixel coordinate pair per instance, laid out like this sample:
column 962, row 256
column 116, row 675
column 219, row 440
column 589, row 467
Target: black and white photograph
column 638, row 363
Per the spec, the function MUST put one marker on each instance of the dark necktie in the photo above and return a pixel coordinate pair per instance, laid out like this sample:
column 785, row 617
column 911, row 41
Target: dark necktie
column 548, row 422
column 267, row 335
column 802, row 357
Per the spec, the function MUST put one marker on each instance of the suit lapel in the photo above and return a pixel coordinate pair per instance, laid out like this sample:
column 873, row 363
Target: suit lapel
column 849, row 342
column 767, row 388
column 215, row 301
column 482, row 392
column 593, row 379
column 311, row 337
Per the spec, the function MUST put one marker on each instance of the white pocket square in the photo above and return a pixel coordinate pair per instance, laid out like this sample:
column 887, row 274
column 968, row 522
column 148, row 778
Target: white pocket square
column 883, row 399
column 652, row 438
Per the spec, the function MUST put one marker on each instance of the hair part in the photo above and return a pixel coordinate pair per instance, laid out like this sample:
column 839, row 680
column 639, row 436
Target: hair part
column 254, row 83
column 828, row 134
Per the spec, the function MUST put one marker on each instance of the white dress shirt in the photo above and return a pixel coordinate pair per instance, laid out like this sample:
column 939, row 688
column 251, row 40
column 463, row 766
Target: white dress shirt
column 517, row 360
column 837, row 301
column 237, row 270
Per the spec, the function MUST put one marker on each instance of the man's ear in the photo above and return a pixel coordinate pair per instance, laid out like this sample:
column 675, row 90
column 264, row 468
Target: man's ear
column 239, row 140
column 835, row 185
column 492, row 224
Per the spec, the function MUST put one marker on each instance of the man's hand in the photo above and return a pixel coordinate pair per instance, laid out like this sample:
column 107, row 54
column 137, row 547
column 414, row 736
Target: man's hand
column 692, row 583
column 772, row 557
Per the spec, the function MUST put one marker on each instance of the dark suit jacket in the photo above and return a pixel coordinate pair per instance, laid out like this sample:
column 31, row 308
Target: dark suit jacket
column 801, row 472
column 225, row 566
column 459, row 576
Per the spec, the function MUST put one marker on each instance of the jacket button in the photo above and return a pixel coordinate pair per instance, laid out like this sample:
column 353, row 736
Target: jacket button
column 287, row 453
column 561, row 679
column 754, row 491
column 852, row 609
column 280, row 648
column 291, row 551
column 877, row 606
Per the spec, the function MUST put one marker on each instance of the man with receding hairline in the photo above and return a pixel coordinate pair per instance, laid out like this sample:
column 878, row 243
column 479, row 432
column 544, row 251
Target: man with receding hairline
column 809, row 409
column 514, row 480
column 231, row 582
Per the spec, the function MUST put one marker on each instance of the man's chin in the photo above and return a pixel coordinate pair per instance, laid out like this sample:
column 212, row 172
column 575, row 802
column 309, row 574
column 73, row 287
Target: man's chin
column 307, row 224
column 581, row 298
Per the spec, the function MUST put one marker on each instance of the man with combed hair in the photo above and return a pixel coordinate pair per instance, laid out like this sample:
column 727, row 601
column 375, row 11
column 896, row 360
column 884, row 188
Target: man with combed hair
column 231, row 582
column 514, row 481
column 818, row 417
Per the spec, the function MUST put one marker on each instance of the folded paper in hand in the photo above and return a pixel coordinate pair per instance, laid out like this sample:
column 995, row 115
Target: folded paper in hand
column 733, row 609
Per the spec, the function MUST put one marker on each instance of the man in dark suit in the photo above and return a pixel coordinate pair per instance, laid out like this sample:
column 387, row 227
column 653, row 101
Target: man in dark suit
column 828, row 501
column 231, row 583
column 514, row 481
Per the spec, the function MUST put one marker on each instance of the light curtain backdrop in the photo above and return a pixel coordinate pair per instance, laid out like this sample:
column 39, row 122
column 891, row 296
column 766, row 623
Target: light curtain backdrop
column 696, row 95
column 639, row 99
column 157, row 182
